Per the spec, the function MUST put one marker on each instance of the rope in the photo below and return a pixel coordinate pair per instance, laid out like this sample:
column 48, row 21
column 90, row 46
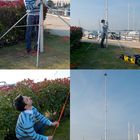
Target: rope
column 122, row 47
column 61, row 113
column 119, row 43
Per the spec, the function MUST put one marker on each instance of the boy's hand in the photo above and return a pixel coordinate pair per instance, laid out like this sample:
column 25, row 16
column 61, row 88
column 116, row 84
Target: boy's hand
column 55, row 124
column 37, row 2
column 50, row 137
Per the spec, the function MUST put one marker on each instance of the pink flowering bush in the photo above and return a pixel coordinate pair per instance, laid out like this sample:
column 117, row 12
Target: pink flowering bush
column 11, row 3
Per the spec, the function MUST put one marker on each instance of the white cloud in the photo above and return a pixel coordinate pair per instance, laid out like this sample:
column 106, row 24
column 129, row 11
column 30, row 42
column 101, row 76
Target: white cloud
column 13, row 76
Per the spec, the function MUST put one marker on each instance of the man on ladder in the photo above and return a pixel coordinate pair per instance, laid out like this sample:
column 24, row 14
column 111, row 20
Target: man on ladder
column 33, row 10
column 104, row 32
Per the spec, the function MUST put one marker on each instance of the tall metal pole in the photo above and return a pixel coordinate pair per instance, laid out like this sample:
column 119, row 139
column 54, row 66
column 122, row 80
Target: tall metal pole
column 138, row 136
column 128, row 16
column 40, row 34
column 133, row 18
column 106, row 18
column 133, row 132
column 106, row 11
column 39, row 43
column 105, row 108
column 41, row 28
column 128, row 131
column 101, row 138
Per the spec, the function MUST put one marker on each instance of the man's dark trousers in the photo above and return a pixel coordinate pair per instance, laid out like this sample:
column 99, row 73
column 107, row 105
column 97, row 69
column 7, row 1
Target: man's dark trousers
column 31, row 21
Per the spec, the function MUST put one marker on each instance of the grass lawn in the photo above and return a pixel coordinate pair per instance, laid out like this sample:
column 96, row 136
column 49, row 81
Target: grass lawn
column 55, row 56
column 91, row 56
column 62, row 132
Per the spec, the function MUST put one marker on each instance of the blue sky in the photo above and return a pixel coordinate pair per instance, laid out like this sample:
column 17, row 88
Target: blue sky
column 88, row 13
column 87, row 104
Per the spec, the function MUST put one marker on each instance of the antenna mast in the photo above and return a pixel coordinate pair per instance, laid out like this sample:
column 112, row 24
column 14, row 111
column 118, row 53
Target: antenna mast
column 133, row 18
column 105, row 108
column 128, row 131
column 106, row 18
column 128, row 16
column 106, row 10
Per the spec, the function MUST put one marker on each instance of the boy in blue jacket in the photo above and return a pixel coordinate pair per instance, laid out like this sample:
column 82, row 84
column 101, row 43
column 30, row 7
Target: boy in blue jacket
column 30, row 124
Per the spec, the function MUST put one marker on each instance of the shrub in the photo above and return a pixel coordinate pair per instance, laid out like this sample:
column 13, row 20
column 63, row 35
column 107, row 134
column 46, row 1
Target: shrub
column 76, row 34
column 48, row 96
column 16, row 34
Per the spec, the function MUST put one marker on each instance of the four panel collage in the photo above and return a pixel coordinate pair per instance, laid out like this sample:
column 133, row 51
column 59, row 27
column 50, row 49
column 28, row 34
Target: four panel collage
column 69, row 69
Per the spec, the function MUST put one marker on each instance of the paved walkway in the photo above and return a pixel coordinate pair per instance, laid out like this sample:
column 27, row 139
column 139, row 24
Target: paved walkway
column 130, row 44
column 56, row 26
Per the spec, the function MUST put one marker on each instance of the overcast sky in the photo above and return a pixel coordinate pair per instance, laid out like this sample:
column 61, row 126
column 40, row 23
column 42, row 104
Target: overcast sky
column 13, row 76
column 88, row 13
column 87, row 104
column 61, row 0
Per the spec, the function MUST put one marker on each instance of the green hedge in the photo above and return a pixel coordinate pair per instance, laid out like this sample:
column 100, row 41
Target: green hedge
column 76, row 34
column 8, row 17
column 47, row 96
